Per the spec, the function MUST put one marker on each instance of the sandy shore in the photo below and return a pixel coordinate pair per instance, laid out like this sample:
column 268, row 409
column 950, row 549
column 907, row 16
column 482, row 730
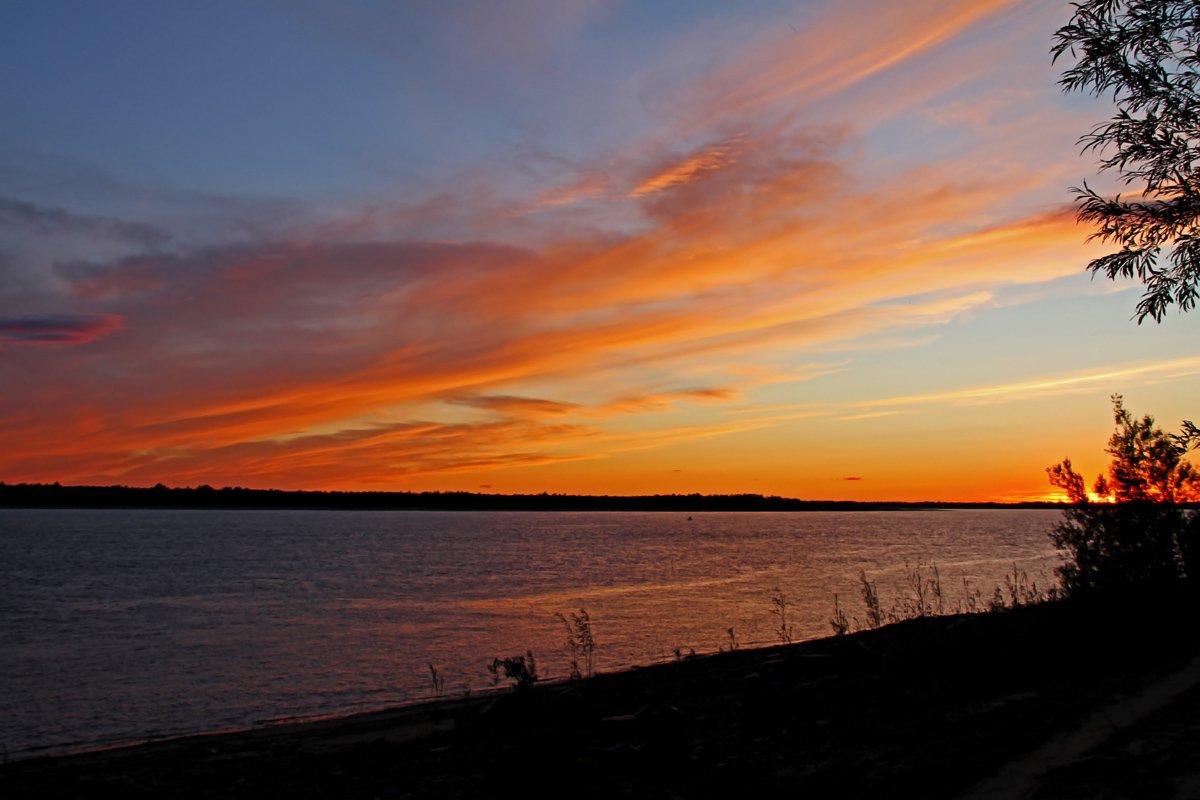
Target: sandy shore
column 940, row 707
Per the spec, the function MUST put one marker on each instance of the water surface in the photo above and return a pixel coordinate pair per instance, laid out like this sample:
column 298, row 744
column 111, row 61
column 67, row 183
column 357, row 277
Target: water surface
column 123, row 625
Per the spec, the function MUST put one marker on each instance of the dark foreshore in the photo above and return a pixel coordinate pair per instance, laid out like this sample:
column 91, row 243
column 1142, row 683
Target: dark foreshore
column 53, row 495
column 926, row 708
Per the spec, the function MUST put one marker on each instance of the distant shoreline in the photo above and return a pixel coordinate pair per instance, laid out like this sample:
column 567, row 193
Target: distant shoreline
column 43, row 495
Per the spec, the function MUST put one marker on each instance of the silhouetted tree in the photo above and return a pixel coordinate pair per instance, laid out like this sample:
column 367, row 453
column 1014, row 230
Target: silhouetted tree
column 1189, row 438
column 1130, row 530
column 1146, row 53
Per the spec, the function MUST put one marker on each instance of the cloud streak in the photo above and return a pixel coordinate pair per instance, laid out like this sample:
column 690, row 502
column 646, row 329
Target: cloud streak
column 1173, row 368
column 57, row 328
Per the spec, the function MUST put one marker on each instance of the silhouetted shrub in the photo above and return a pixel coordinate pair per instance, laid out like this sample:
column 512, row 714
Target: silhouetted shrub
column 839, row 622
column 579, row 642
column 779, row 608
column 1130, row 530
column 521, row 669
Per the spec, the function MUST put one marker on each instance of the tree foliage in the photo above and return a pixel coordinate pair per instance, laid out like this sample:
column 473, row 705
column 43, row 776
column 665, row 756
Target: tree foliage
column 1130, row 530
column 1146, row 53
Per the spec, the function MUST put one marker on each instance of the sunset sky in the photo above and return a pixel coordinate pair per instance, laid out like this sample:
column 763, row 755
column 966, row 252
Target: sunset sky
column 823, row 250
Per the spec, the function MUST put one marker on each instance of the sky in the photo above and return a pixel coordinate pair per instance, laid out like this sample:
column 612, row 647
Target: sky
column 823, row 250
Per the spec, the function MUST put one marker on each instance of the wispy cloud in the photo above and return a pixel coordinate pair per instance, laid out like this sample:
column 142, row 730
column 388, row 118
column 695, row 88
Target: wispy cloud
column 57, row 328
column 847, row 44
column 871, row 415
column 688, row 169
column 1173, row 368
column 518, row 406
column 47, row 220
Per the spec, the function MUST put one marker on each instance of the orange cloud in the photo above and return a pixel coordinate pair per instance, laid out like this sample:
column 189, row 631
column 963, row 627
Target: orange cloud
column 849, row 43
column 691, row 167
column 518, row 406
column 264, row 345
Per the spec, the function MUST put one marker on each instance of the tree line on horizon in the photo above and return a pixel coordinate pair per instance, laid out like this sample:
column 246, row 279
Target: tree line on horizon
column 44, row 495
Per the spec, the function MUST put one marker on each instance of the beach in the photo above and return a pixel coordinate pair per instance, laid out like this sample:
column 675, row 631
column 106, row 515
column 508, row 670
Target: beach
column 939, row 706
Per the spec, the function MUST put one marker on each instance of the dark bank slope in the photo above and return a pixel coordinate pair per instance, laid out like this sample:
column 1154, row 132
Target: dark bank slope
column 924, row 708
column 44, row 495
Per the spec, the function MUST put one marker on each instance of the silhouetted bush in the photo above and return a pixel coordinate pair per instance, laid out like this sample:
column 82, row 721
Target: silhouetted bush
column 521, row 669
column 1131, row 529
column 579, row 643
